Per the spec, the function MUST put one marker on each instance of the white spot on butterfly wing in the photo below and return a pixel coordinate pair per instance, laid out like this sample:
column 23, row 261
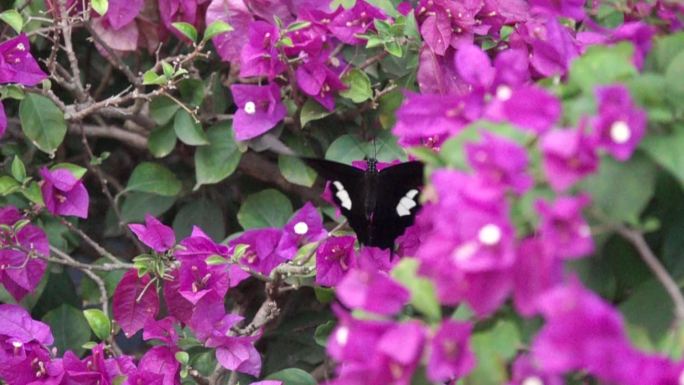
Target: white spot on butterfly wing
column 406, row 203
column 342, row 195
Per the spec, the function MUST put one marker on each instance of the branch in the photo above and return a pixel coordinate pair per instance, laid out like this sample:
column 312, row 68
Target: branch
column 68, row 260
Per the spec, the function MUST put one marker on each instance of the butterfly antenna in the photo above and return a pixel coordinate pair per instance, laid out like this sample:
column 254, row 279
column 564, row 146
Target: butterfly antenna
column 375, row 149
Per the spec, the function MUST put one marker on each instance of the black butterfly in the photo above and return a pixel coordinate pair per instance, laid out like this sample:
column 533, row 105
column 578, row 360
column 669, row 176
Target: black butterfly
column 379, row 205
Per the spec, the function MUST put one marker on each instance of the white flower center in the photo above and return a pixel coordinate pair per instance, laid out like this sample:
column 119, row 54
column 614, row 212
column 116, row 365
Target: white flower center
column 301, row 228
column 620, row 132
column 17, row 344
column 489, row 234
column 250, row 108
column 534, row 380
column 584, row 231
column 681, row 378
column 342, row 335
column 464, row 252
column 504, row 93
column 21, row 47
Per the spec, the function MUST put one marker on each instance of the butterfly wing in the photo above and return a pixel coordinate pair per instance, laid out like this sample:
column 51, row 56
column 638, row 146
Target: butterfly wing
column 347, row 186
column 397, row 202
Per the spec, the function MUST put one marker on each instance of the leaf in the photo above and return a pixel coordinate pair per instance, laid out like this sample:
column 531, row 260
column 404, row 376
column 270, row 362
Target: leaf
column 137, row 204
column 292, row 376
column 99, row 323
column 8, row 185
column 267, row 208
column 188, row 130
column 216, row 28
column 150, row 78
column 135, row 302
column 602, row 65
column 387, row 6
column 674, row 76
column 153, row 178
column 89, row 290
column 623, row 201
column 187, row 29
column 75, row 169
column 311, row 111
column 203, row 213
column 323, row 332
column 665, row 48
column 42, row 122
column 100, row 6
column 649, row 306
column 296, row 171
column 162, row 141
column 162, row 109
column 359, row 86
column 192, row 91
column 493, row 348
column 69, row 328
column 423, row 293
column 219, row 159
column 346, row 149
column 666, row 150
column 18, row 169
column 13, row 18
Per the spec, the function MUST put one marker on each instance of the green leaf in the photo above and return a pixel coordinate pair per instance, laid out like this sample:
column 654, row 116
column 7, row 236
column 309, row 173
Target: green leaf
column 137, row 204
column 151, row 78
column 13, row 18
column 32, row 193
column 203, row 213
column 674, row 76
column 267, row 208
column 8, row 185
column 311, row 111
column 182, row 357
column 346, row 4
column 359, row 86
column 18, row 169
column 69, row 328
column 388, row 106
column 187, row 29
column 623, row 201
column 602, row 65
column 12, row 91
column 666, row 150
column 218, row 160
column 188, row 130
column 323, row 332
column 387, row 6
column 192, row 91
column 42, row 122
column 493, row 348
column 649, row 306
column 296, row 171
column 423, row 293
column 99, row 323
column 162, row 141
column 100, row 6
column 153, row 178
column 393, row 48
column 216, row 28
column 665, row 48
column 297, row 25
column 162, row 109
column 292, row 376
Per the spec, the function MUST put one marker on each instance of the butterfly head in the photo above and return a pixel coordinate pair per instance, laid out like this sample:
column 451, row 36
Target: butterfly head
column 371, row 164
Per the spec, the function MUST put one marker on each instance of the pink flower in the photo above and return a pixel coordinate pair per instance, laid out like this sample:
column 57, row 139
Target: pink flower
column 564, row 229
column 568, row 156
column 260, row 108
column 451, row 356
column 334, row 258
column 63, row 194
column 620, row 125
column 372, row 291
column 154, row 234
column 16, row 63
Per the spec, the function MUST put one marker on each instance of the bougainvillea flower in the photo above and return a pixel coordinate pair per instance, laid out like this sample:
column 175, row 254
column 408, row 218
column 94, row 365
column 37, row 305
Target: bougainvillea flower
column 437, row 74
column 306, row 225
column 94, row 369
column 553, row 47
column 564, row 228
column 161, row 361
column 30, row 364
column 637, row 32
column 63, row 194
column 536, row 270
column 3, row 120
column 121, row 12
column 161, row 330
column 237, row 15
column 260, row 57
column 262, row 249
column 16, row 323
column 233, row 352
column 528, row 107
column 260, row 108
column 135, row 302
column 350, row 23
column 580, row 328
column 178, row 307
column 187, row 11
column 156, row 235
column 334, row 258
column 425, row 116
column 16, row 63
column 474, row 66
column 21, row 272
column 568, row 156
column 398, row 353
column 620, row 125
column 197, row 279
column 448, row 23
column 451, row 357
column 525, row 372
column 372, row 291
column 500, row 161
column 374, row 258
column 319, row 82
column 573, row 9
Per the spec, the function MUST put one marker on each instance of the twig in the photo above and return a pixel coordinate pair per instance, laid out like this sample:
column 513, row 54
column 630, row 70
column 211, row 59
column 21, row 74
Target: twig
column 87, row 270
column 96, row 246
column 83, row 266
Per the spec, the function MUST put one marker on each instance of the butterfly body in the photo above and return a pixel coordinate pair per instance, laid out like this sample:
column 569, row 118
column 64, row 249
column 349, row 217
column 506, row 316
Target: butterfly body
column 378, row 204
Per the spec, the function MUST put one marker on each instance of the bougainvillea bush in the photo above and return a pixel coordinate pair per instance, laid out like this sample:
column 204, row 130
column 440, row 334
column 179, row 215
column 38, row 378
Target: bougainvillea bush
column 158, row 225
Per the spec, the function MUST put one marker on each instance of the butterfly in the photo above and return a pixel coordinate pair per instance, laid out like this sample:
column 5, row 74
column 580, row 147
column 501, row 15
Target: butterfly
column 379, row 205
